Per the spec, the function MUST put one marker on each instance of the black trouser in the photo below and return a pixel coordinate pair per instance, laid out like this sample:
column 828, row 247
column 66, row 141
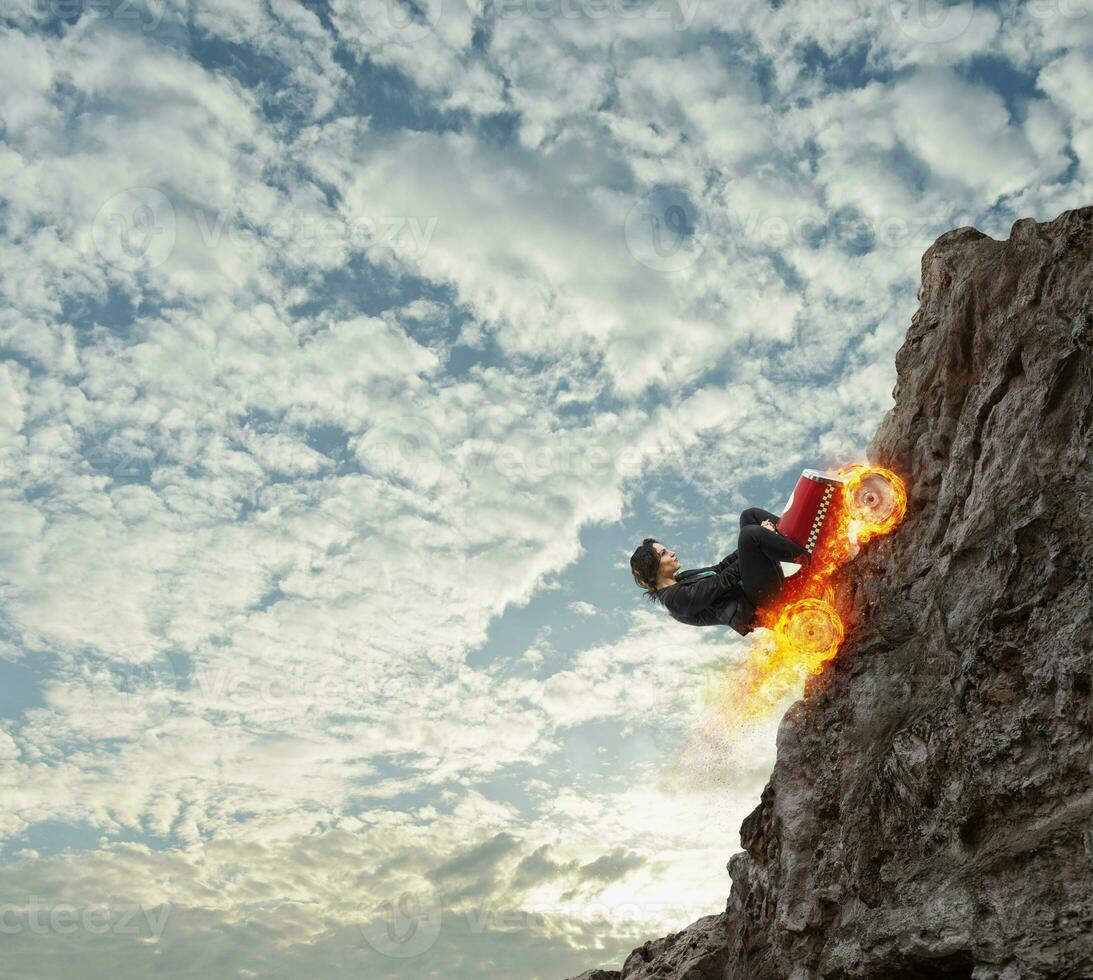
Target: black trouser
column 758, row 552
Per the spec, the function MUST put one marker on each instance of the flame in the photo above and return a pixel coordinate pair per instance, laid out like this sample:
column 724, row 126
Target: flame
column 805, row 627
column 876, row 481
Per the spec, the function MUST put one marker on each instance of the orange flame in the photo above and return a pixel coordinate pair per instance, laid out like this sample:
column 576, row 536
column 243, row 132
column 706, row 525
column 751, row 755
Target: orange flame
column 805, row 628
column 861, row 528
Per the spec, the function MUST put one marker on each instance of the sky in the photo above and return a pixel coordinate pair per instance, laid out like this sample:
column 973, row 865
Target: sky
column 348, row 351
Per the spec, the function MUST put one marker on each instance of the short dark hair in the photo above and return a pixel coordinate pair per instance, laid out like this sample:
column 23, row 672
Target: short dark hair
column 644, row 565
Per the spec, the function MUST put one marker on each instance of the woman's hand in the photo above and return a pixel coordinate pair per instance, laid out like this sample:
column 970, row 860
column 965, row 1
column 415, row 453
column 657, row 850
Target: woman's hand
column 770, row 525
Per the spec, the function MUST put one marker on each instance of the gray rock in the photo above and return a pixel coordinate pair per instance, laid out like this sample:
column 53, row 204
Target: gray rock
column 699, row 952
column 930, row 813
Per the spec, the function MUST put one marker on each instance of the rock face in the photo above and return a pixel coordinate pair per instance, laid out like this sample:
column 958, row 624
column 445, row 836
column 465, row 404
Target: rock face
column 930, row 814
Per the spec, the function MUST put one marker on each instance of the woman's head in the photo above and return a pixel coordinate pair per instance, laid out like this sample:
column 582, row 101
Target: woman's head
column 650, row 561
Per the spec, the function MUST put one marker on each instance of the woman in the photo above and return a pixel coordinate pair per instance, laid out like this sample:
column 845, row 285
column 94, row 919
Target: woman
column 725, row 594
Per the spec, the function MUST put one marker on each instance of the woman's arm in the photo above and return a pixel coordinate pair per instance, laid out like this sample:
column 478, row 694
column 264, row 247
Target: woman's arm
column 690, row 599
column 729, row 561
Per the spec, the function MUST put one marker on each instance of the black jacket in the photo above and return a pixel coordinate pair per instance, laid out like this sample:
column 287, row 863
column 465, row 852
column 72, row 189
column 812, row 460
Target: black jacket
column 702, row 599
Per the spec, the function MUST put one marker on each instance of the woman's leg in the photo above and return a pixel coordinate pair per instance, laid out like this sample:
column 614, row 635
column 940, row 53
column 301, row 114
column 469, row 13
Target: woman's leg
column 759, row 550
column 756, row 515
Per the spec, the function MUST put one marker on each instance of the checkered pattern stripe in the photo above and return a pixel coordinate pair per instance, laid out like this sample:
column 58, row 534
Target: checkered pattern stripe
column 818, row 520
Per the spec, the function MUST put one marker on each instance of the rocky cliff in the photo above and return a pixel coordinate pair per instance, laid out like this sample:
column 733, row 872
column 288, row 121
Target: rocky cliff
column 929, row 814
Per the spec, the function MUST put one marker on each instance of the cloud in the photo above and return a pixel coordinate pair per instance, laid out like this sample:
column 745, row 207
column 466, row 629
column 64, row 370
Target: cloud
column 1061, row 79
column 947, row 122
column 297, row 463
column 537, row 867
column 474, row 872
column 610, row 867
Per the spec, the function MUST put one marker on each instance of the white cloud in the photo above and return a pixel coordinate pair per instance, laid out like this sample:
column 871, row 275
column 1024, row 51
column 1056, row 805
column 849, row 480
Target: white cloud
column 1065, row 80
column 963, row 133
column 433, row 48
column 1035, row 31
column 252, row 552
column 26, row 76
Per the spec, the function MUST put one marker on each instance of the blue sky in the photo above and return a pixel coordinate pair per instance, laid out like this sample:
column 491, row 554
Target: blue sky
column 349, row 349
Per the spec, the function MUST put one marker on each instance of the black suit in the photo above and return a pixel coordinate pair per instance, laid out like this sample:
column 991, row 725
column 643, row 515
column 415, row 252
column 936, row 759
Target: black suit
column 715, row 595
